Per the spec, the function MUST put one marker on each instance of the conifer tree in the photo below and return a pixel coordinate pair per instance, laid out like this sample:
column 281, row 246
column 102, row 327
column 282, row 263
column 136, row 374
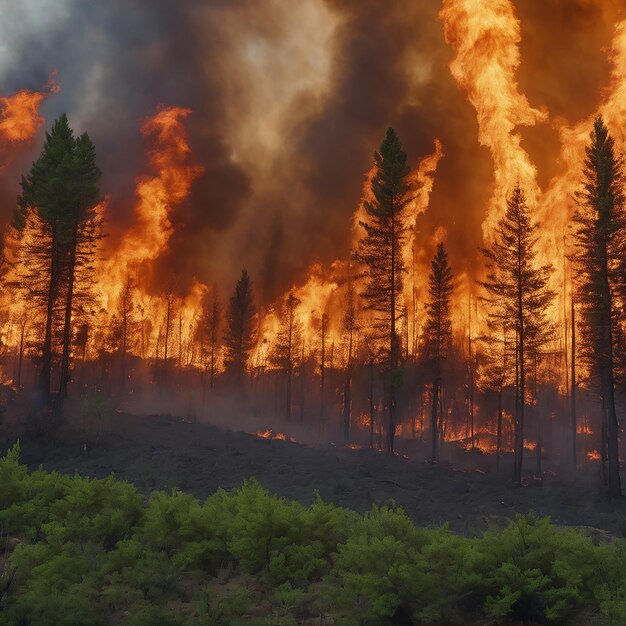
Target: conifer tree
column 517, row 293
column 600, row 236
column 125, row 311
column 60, row 194
column 380, row 253
column 497, row 369
column 286, row 347
column 80, row 233
column 208, row 334
column 350, row 328
column 438, row 331
column 240, row 328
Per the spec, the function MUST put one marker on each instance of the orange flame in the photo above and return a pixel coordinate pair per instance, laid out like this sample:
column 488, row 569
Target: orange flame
column 20, row 118
column 594, row 455
column 149, row 235
column 270, row 434
column 485, row 35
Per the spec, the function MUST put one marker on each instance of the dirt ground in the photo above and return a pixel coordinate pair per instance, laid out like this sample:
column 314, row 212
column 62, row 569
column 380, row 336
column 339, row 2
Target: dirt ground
column 163, row 452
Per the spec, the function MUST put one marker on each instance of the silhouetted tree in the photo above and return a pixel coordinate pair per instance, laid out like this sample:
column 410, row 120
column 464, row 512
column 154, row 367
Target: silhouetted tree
column 324, row 332
column 498, row 368
column 350, row 328
column 286, row 346
column 517, row 292
column 438, row 331
column 81, row 234
column 60, row 192
column 600, row 236
column 380, row 253
column 240, row 328
column 208, row 334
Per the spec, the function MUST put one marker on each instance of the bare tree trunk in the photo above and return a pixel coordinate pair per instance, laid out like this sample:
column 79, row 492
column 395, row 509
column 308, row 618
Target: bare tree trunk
column 393, row 357
column 573, row 386
column 371, row 402
column 471, row 374
column 322, row 373
column 434, row 421
column 521, row 400
column 46, row 365
column 18, row 379
column 289, row 368
column 347, row 404
column 499, row 430
column 67, row 324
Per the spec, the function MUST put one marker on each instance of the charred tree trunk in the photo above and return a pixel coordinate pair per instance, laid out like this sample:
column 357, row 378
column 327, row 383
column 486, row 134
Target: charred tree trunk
column 46, row 361
column 499, row 430
column 371, row 402
column 393, row 357
column 289, row 368
column 322, row 374
column 347, row 404
column 434, row 427
column 608, row 383
column 521, row 400
column 573, row 386
column 67, row 324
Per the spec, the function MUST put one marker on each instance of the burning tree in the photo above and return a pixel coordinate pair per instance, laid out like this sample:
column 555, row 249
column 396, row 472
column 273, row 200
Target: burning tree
column 125, row 310
column 517, row 294
column 499, row 363
column 285, row 349
column 350, row 328
column 207, row 334
column 240, row 328
column 600, row 233
column 380, row 251
column 62, row 191
column 438, row 331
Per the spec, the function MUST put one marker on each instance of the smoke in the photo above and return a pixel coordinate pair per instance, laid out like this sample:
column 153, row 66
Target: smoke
column 288, row 101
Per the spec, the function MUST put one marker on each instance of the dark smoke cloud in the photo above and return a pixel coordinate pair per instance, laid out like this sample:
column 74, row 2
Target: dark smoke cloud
column 117, row 60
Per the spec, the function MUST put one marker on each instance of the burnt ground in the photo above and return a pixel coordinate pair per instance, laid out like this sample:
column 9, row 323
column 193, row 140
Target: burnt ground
column 162, row 452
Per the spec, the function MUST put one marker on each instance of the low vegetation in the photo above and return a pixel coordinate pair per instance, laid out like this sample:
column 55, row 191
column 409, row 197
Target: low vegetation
column 81, row 551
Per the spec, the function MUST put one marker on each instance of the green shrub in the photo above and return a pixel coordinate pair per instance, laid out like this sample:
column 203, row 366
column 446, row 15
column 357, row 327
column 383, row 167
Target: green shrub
column 95, row 552
column 537, row 571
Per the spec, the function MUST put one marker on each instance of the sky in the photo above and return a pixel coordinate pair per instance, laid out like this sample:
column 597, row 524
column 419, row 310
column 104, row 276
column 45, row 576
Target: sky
column 289, row 100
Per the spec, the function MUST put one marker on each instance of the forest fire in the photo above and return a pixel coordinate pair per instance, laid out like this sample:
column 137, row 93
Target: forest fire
column 170, row 158
column 270, row 434
column 389, row 234
column 452, row 369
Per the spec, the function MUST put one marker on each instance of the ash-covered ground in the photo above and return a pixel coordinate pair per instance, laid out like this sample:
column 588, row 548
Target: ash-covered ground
column 164, row 452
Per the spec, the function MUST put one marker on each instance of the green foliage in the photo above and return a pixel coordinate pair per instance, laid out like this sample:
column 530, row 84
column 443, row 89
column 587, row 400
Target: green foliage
column 96, row 552
column 538, row 571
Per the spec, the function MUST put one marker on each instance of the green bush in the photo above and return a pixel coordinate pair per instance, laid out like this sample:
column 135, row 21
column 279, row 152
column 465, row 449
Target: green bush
column 97, row 552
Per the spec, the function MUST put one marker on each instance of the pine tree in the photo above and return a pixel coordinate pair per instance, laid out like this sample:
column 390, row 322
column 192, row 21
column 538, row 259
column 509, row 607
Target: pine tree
column 517, row 294
column 438, row 331
column 380, row 253
column 80, row 233
column 285, row 349
column 125, row 327
column 240, row 328
column 208, row 334
column 61, row 191
column 350, row 329
column 496, row 372
column 600, row 234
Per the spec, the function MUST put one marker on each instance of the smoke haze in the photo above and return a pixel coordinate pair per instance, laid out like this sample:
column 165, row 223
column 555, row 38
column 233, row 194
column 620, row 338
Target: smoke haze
column 289, row 100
